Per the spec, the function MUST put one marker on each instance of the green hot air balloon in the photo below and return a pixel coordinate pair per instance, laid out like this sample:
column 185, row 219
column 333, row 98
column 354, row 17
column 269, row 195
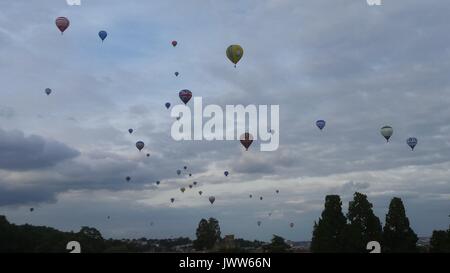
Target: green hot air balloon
column 387, row 132
column 235, row 53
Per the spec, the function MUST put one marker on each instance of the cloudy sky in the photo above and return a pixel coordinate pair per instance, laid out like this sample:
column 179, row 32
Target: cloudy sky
column 358, row 67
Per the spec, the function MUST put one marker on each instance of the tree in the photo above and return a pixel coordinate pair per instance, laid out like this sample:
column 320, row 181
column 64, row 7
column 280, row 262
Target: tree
column 397, row 234
column 363, row 225
column 328, row 232
column 208, row 234
column 277, row 245
column 440, row 241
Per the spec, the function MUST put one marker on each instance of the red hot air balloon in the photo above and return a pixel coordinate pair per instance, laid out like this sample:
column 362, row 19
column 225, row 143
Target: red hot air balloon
column 185, row 95
column 62, row 23
column 246, row 140
column 174, row 43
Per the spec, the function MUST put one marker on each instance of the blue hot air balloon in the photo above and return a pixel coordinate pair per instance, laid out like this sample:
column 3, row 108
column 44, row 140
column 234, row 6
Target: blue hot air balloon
column 167, row 105
column 102, row 34
column 321, row 124
column 412, row 142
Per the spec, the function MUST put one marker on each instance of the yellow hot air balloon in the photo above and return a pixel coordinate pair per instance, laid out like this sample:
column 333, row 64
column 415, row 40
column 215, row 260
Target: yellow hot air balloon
column 235, row 53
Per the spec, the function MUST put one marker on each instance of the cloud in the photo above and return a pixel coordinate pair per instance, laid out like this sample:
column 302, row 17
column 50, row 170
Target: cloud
column 20, row 152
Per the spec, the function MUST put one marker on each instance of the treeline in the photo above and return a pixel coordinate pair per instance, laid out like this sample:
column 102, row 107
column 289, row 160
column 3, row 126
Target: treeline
column 33, row 239
column 336, row 232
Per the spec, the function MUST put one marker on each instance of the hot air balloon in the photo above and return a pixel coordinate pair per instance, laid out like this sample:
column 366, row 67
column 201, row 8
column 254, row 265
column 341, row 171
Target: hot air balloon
column 128, row 178
column 62, row 23
column 195, row 183
column 151, row 223
column 102, row 34
column 140, row 145
column 172, row 200
column 178, row 172
column 277, row 191
column 321, row 124
column 167, row 105
column 412, row 142
column 174, row 43
column 182, row 190
column 48, row 91
column 176, row 74
column 260, row 198
column 157, row 182
column 185, row 95
column 226, row 173
column 190, row 186
column 250, row 196
column 246, row 140
column 130, row 131
column 190, row 174
column 259, row 223
column 270, row 214
column 291, row 225
column 185, row 167
column 387, row 132
column 31, row 209
column 212, row 199
column 235, row 53
column 200, row 192
column 108, row 217
column 148, row 155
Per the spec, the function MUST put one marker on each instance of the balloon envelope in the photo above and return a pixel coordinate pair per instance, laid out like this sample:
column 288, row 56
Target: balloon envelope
column 178, row 172
column 182, row 189
column 62, row 23
column 412, row 142
column 386, row 132
column 174, row 43
column 48, row 91
column 321, row 124
column 235, row 53
column 185, row 95
column 259, row 223
column 226, row 173
column 246, row 140
column 102, row 34
column 200, row 192
column 212, row 199
column 176, row 74
column 291, row 225
column 167, row 105
column 140, row 145
column 130, row 131
column 172, row 199
column 128, row 178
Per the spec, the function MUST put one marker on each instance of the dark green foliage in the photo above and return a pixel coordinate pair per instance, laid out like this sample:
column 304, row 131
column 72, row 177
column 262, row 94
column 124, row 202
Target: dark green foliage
column 208, row 234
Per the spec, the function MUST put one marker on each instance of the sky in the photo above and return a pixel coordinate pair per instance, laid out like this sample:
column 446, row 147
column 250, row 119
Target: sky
column 356, row 66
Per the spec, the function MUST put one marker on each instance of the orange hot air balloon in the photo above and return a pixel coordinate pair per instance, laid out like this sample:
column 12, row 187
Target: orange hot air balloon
column 246, row 140
column 62, row 23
